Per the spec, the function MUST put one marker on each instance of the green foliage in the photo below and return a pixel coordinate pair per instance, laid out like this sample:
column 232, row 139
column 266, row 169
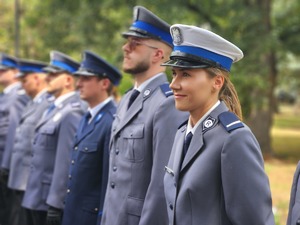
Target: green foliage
column 72, row 26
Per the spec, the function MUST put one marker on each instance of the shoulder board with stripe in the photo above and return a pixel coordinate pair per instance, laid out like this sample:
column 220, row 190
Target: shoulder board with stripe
column 75, row 104
column 166, row 89
column 230, row 121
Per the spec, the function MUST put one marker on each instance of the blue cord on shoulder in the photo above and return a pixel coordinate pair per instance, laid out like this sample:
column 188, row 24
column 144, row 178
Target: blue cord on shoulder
column 166, row 89
column 230, row 121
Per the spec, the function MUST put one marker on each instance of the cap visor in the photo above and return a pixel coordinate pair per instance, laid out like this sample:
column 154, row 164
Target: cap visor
column 3, row 67
column 184, row 64
column 134, row 34
column 51, row 69
column 84, row 73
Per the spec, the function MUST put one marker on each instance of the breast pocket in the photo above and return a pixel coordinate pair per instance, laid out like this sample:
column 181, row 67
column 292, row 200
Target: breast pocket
column 89, row 155
column 133, row 147
column 46, row 137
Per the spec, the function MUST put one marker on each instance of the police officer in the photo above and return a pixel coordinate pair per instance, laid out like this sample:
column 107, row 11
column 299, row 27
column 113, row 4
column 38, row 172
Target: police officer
column 294, row 206
column 33, row 80
column 215, row 174
column 144, row 128
column 53, row 139
column 89, row 164
column 12, row 102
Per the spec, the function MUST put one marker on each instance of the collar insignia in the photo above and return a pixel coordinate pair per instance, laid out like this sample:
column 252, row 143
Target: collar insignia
column 208, row 123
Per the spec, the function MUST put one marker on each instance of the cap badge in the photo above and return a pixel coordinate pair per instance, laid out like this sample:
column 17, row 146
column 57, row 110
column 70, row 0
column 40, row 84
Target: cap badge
column 177, row 37
column 208, row 123
column 135, row 14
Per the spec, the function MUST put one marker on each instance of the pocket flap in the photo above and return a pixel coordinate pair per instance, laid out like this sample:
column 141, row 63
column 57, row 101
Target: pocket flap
column 134, row 131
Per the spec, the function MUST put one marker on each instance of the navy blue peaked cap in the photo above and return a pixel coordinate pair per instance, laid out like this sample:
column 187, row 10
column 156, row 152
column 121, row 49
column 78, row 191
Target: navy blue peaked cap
column 148, row 25
column 7, row 62
column 94, row 65
column 61, row 62
column 30, row 66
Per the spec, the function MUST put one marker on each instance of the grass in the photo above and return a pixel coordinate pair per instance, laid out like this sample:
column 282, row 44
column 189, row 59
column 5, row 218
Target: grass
column 281, row 168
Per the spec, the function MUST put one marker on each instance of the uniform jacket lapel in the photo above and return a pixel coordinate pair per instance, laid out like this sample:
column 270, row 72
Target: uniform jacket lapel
column 178, row 153
column 197, row 140
column 81, row 134
column 56, row 110
column 137, row 105
column 30, row 109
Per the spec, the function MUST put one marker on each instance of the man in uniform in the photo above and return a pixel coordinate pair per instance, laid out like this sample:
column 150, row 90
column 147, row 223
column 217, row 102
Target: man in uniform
column 53, row 139
column 144, row 128
column 89, row 164
column 33, row 81
column 12, row 102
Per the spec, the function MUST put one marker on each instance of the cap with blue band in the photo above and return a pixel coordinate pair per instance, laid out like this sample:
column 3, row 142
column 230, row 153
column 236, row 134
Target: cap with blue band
column 63, row 66
column 7, row 62
column 60, row 62
column 196, row 47
column 94, row 65
column 30, row 66
column 148, row 25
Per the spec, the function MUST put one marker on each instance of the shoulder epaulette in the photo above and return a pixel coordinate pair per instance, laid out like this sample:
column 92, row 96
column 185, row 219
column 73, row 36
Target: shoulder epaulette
column 166, row 89
column 21, row 92
column 230, row 121
column 75, row 104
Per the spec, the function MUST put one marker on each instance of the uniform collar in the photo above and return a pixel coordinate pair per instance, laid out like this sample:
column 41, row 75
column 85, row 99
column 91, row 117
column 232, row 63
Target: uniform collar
column 193, row 129
column 97, row 108
column 39, row 96
column 146, row 82
column 62, row 98
column 10, row 87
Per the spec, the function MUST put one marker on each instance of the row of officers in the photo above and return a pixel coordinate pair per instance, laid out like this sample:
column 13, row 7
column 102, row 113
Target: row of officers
column 175, row 154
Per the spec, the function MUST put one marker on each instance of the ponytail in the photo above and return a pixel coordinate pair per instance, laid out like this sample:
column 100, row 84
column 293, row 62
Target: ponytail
column 228, row 93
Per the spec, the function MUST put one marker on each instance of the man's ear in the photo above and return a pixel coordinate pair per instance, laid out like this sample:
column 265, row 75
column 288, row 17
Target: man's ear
column 158, row 55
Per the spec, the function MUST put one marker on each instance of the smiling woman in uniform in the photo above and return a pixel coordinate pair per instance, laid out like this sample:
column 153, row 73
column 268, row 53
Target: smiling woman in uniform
column 215, row 175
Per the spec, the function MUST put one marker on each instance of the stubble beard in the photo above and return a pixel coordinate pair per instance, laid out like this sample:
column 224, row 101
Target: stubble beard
column 138, row 69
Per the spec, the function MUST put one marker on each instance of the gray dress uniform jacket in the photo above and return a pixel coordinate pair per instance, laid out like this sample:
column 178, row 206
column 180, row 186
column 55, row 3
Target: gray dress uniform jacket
column 141, row 142
column 294, row 207
column 54, row 138
column 12, row 105
column 22, row 149
column 221, row 180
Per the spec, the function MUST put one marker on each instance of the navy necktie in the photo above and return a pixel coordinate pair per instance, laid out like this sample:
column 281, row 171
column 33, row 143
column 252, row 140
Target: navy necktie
column 187, row 142
column 133, row 96
column 50, row 109
column 87, row 118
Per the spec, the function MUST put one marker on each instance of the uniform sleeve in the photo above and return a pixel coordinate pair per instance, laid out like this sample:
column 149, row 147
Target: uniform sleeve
column 245, row 185
column 67, row 130
column 165, row 124
column 294, row 212
column 105, row 168
column 15, row 111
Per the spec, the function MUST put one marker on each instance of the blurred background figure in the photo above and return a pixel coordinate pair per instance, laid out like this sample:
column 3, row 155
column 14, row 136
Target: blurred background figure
column 12, row 102
column 88, row 172
column 33, row 80
column 52, row 142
